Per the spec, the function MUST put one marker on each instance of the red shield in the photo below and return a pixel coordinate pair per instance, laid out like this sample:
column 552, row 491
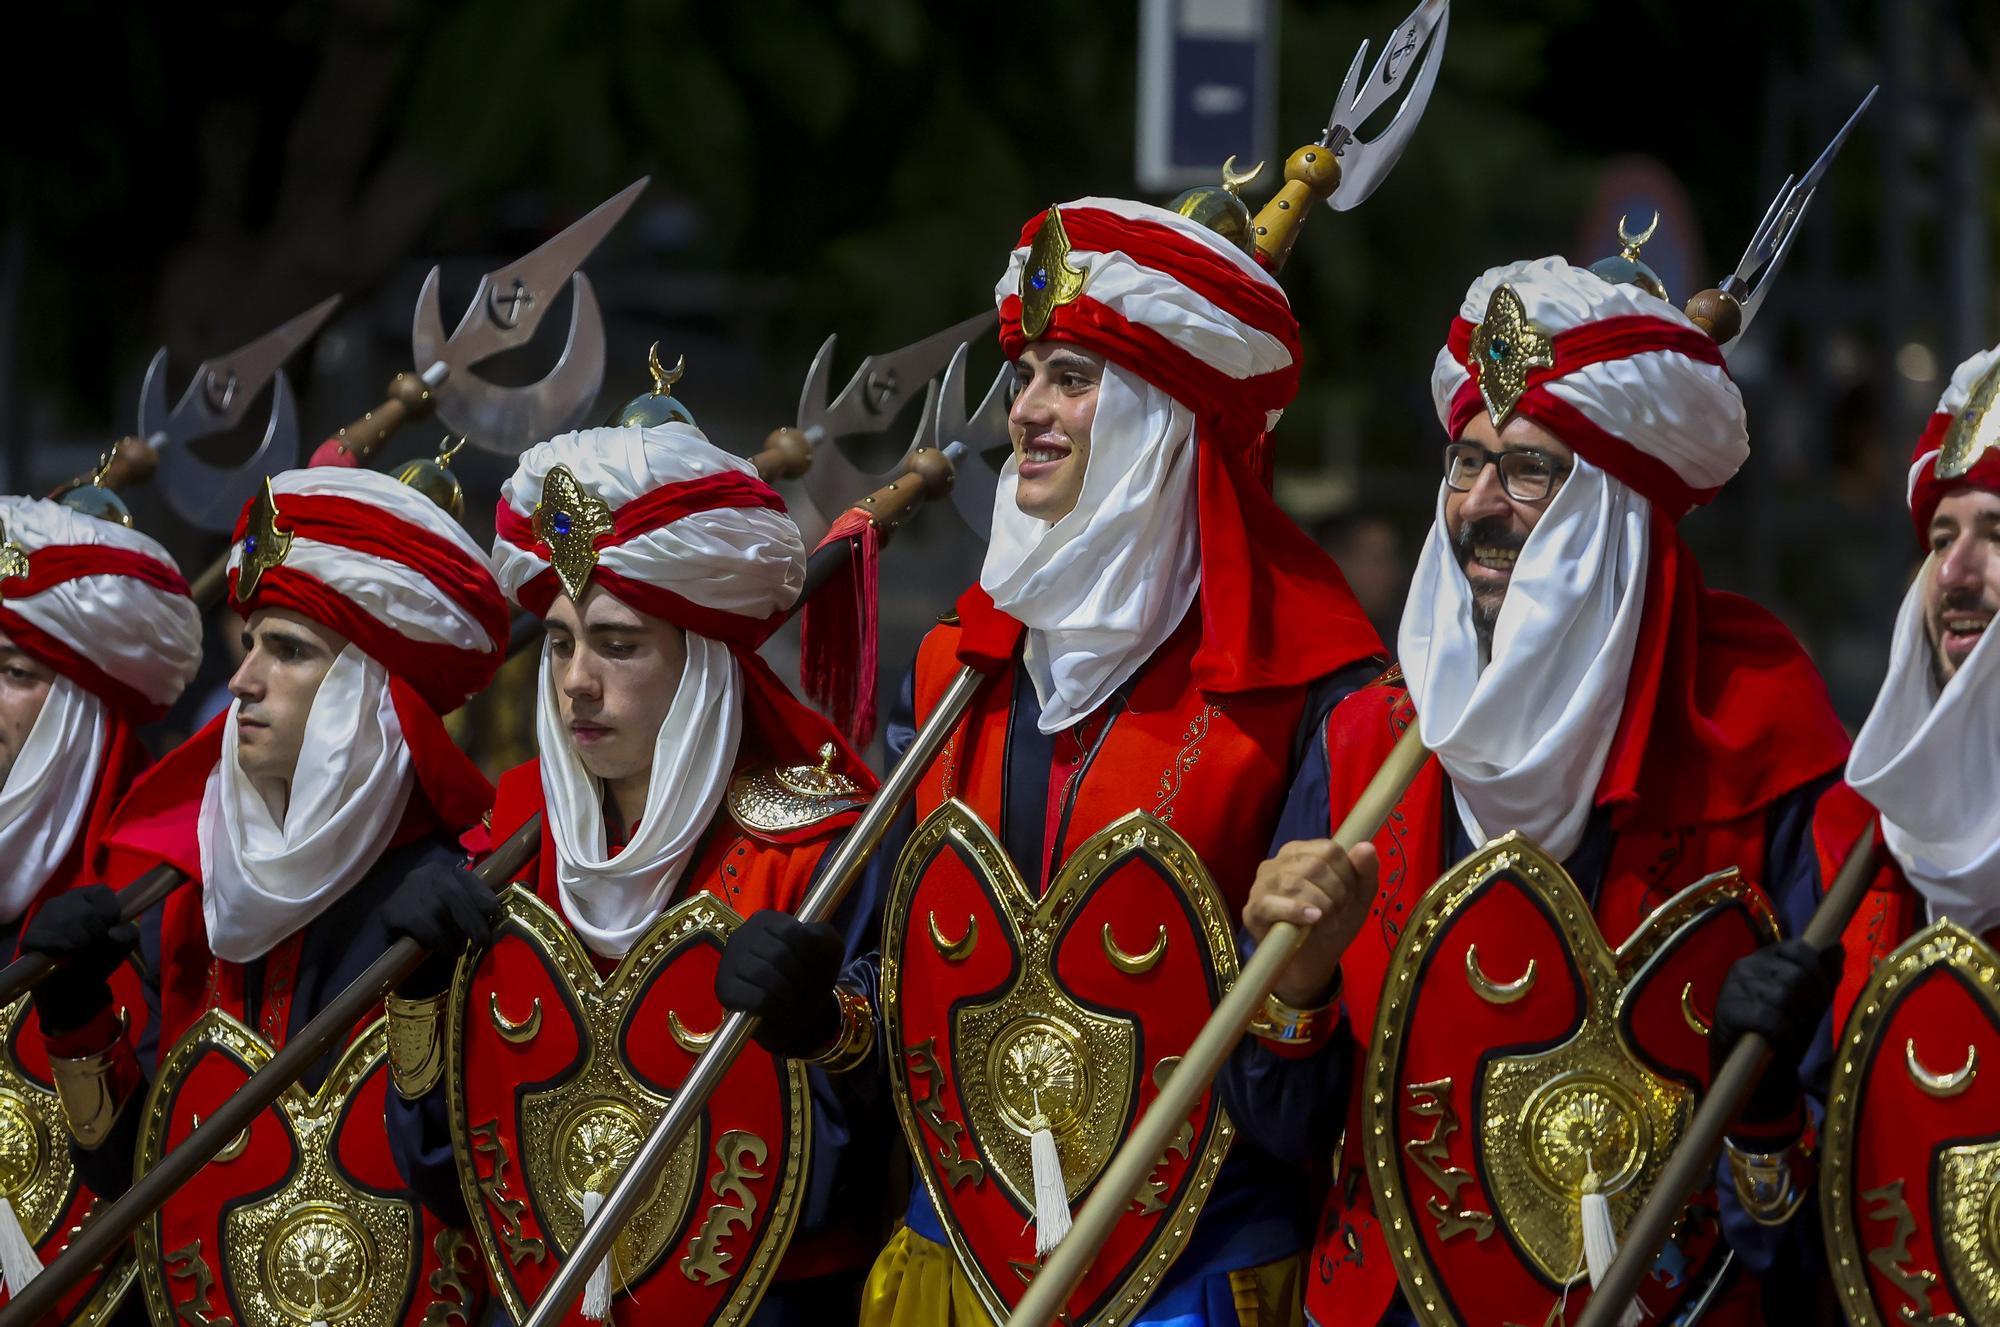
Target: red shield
column 303, row 1216
column 1074, row 1006
column 556, row 1076
column 1519, row 1062
column 1910, row 1174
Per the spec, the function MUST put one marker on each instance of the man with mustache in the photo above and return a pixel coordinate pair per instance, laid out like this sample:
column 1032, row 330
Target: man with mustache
column 1159, row 642
column 97, row 637
column 1576, row 682
column 1920, row 781
column 676, row 773
column 312, row 817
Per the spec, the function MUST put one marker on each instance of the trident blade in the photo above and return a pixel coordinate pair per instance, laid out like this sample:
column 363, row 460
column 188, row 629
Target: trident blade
column 1364, row 164
column 1751, row 282
column 866, row 405
column 982, row 438
column 507, row 307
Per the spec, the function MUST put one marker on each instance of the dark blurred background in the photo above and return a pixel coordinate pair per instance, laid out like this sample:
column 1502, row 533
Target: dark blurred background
column 190, row 176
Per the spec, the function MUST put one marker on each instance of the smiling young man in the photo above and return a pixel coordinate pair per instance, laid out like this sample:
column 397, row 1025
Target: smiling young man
column 680, row 787
column 1577, row 683
column 97, row 636
column 1159, row 641
column 1920, row 782
column 305, row 817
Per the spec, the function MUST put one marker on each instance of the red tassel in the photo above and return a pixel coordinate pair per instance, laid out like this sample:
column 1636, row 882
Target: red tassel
column 839, row 632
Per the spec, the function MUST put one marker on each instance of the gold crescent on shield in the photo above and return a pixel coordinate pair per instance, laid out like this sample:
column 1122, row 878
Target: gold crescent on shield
column 1692, row 1016
column 1496, row 992
column 1134, row 965
column 513, row 1033
column 1940, row 1085
column 691, row 1042
column 955, row 951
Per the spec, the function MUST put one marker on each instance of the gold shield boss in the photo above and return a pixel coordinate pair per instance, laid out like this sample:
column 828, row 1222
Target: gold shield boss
column 1910, row 1171
column 1003, row 1011
column 557, row 1072
column 1520, row 1062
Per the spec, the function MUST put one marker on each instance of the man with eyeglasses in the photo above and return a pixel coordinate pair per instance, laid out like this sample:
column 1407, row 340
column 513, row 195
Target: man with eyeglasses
column 1577, row 682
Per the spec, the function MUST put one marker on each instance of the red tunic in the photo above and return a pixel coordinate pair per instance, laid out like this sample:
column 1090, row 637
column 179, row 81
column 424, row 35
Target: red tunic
column 1215, row 769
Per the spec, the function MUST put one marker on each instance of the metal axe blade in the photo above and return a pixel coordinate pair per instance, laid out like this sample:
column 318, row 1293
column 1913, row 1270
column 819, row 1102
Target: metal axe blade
column 217, row 399
column 507, row 307
column 867, row 405
column 981, row 437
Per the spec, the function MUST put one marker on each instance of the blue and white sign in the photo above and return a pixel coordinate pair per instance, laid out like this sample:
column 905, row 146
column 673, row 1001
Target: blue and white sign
column 1207, row 88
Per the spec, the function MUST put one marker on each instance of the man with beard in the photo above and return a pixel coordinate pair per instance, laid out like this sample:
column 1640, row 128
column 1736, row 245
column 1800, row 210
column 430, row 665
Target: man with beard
column 302, row 816
column 1159, row 643
column 97, row 636
column 677, row 779
column 1577, row 683
column 1923, row 765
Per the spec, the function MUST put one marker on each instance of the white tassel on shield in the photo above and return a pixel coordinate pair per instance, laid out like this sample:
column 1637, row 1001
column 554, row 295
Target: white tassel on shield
column 1600, row 1244
column 1052, row 1217
column 597, row 1290
column 18, row 1260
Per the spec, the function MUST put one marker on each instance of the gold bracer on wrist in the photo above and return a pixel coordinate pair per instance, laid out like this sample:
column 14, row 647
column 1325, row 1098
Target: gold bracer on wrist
column 850, row 1046
column 416, row 1043
column 1288, row 1025
column 89, row 1090
column 1767, row 1183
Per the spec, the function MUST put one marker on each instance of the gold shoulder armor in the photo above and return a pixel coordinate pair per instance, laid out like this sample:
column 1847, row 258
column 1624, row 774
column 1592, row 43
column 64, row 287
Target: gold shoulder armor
column 788, row 797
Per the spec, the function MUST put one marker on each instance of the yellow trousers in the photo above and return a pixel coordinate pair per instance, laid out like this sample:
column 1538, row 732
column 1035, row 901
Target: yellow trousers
column 918, row 1283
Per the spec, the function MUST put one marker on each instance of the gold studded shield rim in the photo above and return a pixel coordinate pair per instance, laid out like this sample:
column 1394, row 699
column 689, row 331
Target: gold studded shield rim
column 956, row 826
column 1942, row 945
column 699, row 914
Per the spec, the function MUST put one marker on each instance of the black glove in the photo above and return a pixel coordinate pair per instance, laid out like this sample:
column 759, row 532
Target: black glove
column 444, row 909
column 1781, row 992
column 782, row 970
column 83, row 931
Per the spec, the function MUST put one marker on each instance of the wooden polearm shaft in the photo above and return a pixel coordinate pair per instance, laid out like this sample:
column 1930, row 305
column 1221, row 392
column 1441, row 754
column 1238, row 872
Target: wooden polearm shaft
column 842, row 870
column 1049, row 1292
column 25, row 972
column 1691, row 1167
column 111, row 1226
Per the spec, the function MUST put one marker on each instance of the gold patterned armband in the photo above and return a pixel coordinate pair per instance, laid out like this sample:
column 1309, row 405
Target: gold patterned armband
column 850, row 1046
column 95, row 1088
column 1769, row 1185
column 416, row 1043
column 1289, row 1027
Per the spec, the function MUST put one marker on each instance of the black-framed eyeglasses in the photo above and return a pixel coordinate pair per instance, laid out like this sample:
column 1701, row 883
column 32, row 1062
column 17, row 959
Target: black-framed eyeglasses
column 1526, row 474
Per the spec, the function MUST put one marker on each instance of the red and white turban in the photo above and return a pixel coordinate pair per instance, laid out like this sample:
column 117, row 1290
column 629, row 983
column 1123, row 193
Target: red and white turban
column 677, row 529
column 665, row 521
column 100, row 604
column 106, row 610
column 1203, row 357
column 378, row 562
column 1620, row 375
column 1949, row 455
column 383, row 565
